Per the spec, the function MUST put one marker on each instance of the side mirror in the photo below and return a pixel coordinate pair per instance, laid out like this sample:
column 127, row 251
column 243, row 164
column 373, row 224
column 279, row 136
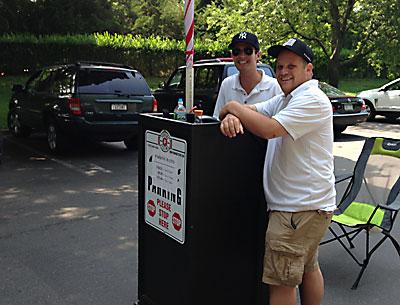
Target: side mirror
column 17, row 88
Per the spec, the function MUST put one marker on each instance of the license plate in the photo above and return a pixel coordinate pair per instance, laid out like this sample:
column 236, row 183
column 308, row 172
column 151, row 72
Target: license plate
column 119, row 107
column 348, row 107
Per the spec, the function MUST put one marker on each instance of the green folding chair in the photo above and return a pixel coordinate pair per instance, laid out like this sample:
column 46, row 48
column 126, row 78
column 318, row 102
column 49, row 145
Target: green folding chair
column 371, row 200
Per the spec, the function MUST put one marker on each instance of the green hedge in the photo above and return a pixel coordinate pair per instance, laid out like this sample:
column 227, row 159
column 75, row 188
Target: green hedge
column 152, row 56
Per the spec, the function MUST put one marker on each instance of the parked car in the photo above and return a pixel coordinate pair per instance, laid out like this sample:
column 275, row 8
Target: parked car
column 384, row 100
column 99, row 101
column 347, row 110
column 208, row 76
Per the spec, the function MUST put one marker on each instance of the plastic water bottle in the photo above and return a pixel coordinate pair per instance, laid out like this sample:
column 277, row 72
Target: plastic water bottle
column 180, row 111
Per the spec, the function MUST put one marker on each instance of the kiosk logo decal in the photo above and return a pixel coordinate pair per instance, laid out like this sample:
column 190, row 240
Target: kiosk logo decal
column 165, row 141
column 165, row 183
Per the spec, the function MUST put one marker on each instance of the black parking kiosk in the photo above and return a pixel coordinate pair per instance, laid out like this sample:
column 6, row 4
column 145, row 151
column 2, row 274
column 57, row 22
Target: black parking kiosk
column 202, row 215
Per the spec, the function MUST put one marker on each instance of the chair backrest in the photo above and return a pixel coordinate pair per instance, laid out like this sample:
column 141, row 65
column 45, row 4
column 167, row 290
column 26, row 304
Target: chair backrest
column 376, row 177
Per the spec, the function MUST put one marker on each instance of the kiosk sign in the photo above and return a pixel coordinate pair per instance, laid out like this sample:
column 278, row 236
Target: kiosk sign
column 165, row 183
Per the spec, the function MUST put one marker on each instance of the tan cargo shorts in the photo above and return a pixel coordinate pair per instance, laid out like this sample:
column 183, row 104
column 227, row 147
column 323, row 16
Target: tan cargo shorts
column 291, row 245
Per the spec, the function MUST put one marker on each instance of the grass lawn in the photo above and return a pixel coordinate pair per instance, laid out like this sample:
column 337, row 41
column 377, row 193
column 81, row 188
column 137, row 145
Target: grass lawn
column 355, row 85
column 351, row 86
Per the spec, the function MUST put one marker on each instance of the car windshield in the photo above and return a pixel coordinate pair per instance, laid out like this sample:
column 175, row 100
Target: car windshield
column 233, row 70
column 330, row 90
column 112, row 82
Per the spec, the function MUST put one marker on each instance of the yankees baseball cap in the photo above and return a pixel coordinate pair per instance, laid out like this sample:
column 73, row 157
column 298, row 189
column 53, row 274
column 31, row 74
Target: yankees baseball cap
column 245, row 37
column 294, row 45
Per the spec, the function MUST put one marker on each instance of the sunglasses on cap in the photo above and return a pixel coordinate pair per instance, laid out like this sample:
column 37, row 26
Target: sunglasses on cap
column 247, row 51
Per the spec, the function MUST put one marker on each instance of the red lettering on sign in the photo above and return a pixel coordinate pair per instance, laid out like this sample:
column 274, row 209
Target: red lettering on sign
column 177, row 221
column 163, row 214
column 164, row 205
column 163, row 223
column 151, row 208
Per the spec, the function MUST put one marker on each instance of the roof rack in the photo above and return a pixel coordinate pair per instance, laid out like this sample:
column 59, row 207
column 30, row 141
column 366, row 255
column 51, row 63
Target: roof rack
column 210, row 60
column 100, row 63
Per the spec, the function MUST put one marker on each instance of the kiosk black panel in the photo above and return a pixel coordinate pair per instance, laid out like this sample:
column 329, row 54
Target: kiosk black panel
column 202, row 215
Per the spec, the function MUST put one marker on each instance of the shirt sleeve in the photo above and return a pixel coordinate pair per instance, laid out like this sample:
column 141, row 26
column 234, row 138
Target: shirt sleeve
column 304, row 114
column 268, row 107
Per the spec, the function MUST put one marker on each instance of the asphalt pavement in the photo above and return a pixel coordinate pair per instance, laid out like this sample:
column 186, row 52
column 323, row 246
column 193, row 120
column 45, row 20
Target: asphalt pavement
column 68, row 227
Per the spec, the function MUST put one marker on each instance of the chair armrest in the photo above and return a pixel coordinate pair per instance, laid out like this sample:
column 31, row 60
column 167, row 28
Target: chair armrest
column 343, row 177
column 394, row 206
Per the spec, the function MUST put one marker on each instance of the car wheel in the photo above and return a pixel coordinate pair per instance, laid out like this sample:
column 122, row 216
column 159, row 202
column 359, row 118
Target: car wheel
column 131, row 143
column 371, row 110
column 15, row 126
column 55, row 140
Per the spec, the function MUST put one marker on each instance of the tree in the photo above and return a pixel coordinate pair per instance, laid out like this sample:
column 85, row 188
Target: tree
column 57, row 16
column 341, row 32
column 158, row 17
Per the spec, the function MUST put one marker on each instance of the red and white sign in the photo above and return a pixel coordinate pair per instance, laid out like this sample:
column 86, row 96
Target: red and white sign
column 165, row 183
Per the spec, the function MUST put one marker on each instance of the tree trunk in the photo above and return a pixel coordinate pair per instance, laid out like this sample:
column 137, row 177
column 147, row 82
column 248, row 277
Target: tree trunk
column 333, row 71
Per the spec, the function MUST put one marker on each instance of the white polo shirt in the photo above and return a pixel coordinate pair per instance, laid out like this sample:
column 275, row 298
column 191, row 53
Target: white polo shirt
column 232, row 90
column 298, row 169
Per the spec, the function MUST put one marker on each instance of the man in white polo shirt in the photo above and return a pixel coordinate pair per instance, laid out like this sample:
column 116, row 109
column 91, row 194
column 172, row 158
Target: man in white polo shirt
column 250, row 85
column 298, row 173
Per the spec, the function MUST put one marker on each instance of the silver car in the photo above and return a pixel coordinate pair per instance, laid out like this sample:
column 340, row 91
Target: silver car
column 384, row 100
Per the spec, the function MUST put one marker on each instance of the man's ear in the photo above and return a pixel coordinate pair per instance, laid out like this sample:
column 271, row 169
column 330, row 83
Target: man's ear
column 258, row 55
column 309, row 68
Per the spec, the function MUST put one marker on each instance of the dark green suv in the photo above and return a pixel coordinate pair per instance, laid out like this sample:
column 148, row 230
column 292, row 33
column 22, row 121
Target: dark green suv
column 98, row 101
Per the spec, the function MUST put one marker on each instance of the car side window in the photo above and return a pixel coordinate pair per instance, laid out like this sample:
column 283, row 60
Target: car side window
column 63, row 82
column 395, row 86
column 43, row 82
column 177, row 81
column 32, row 81
column 206, row 78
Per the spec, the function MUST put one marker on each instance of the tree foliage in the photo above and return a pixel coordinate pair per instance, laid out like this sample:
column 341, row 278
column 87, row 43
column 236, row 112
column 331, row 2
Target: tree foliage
column 56, row 16
column 158, row 17
column 341, row 32
column 347, row 36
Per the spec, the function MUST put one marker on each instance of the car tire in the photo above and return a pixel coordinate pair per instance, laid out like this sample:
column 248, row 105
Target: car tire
column 372, row 112
column 15, row 126
column 55, row 139
column 131, row 143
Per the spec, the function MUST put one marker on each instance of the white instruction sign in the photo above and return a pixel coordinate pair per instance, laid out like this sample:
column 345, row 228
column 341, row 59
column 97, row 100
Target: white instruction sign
column 165, row 183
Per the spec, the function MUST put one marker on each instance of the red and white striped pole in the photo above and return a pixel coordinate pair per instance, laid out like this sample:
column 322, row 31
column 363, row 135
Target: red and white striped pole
column 189, row 32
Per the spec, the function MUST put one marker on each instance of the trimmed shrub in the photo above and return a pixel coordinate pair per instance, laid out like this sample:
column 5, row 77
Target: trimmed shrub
column 152, row 56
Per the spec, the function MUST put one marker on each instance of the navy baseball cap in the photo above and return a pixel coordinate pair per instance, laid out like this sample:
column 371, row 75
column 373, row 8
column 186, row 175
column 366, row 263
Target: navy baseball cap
column 293, row 45
column 245, row 37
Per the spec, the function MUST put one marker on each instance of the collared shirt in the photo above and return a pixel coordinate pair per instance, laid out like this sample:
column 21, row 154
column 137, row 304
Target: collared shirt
column 232, row 90
column 298, row 169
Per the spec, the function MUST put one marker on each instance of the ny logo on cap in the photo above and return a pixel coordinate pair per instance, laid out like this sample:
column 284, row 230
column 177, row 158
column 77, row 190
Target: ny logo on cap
column 290, row 42
column 242, row 35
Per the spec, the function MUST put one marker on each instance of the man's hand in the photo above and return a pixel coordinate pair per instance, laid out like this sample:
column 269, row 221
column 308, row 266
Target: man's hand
column 228, row 108
column 231, row 126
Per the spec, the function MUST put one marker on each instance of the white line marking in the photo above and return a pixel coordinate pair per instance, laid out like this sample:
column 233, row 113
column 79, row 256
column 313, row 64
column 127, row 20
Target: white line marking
column 93, row 168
